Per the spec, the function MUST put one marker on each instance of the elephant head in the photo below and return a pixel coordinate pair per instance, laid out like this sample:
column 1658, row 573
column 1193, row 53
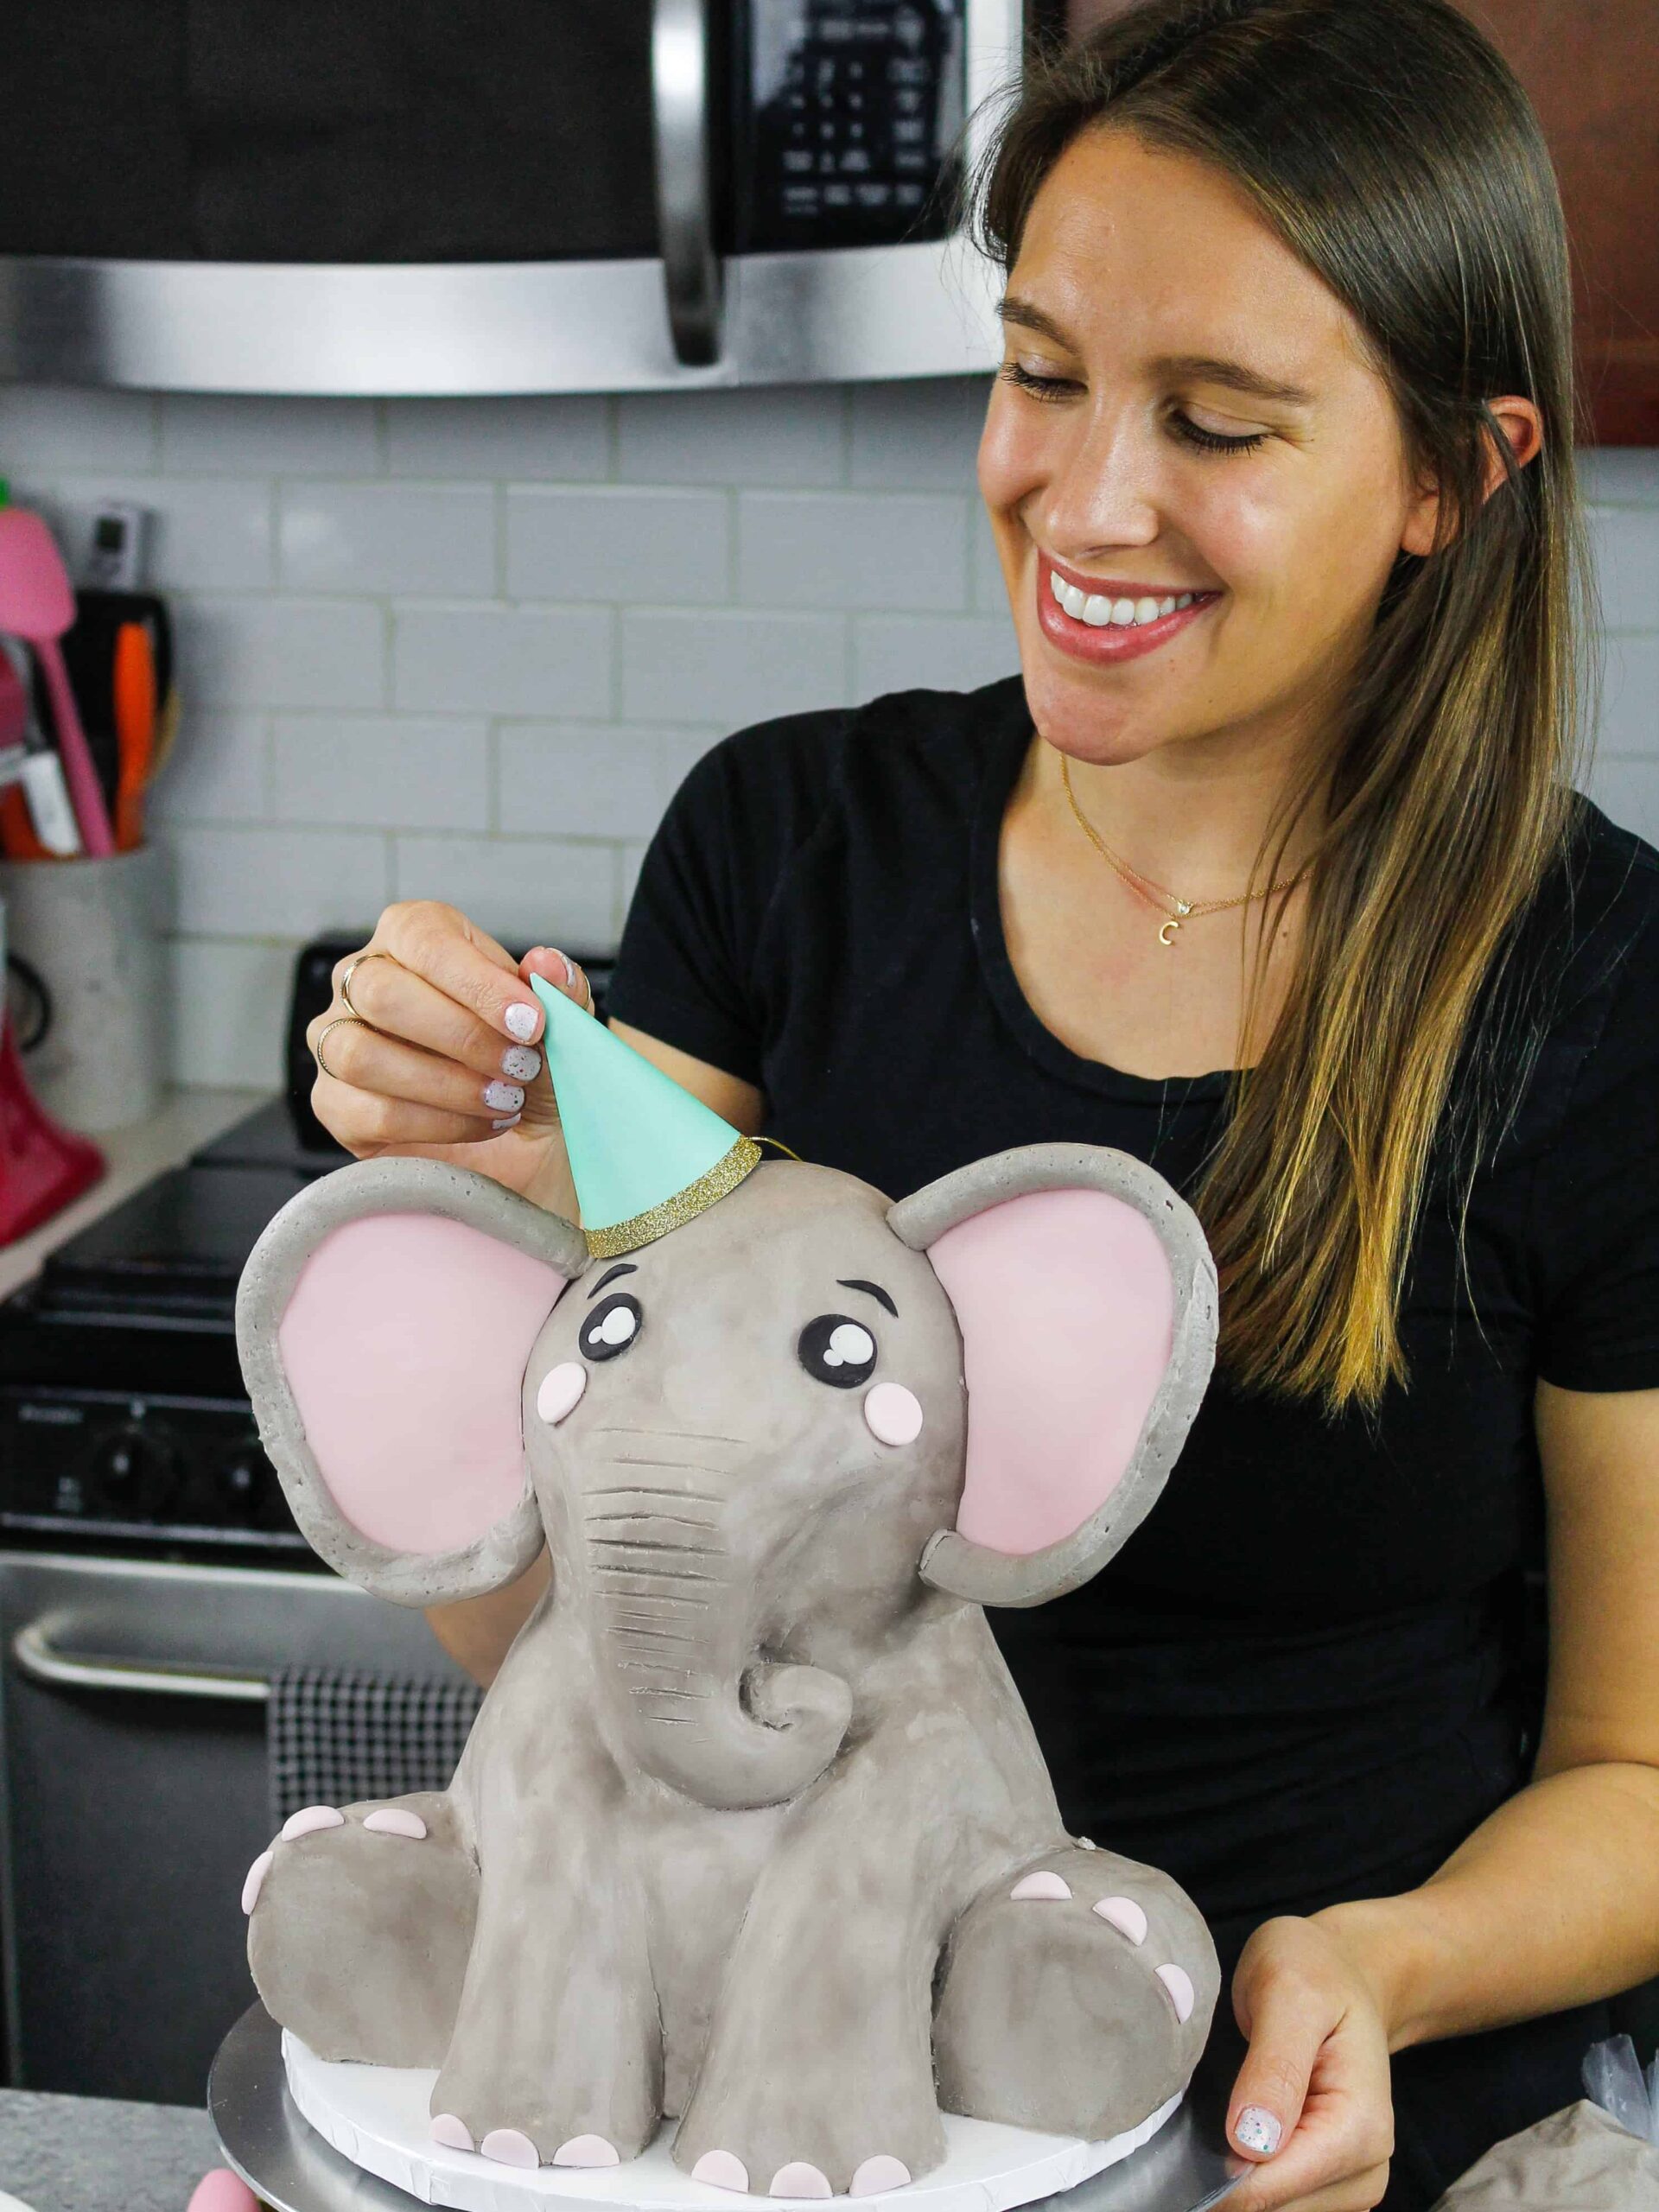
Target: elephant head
column 757, row 1445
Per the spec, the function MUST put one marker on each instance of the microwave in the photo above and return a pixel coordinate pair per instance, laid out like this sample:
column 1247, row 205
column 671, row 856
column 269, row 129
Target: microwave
column 447, row 196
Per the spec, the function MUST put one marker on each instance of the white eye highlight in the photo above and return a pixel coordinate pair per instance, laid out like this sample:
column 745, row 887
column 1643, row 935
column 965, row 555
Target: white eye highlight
column 849, row 1345
column 618, row 1327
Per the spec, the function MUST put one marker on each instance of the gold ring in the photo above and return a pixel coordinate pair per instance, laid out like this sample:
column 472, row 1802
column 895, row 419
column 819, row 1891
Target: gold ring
column 339, row 1022
column 351, row 966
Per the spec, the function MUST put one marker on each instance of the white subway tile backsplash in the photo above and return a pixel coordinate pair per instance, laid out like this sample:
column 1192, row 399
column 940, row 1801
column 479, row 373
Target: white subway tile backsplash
column 437, row 540
column 218, row 770
column 851, row 549
column 227, row 433
column 404, row 772
column 1626, row 542
column 1629, row 792
column 206, row 534
column 904, row 653
column 613, row 543
column 773, row 433
column 595, row 780
column 469, row 649
column 1630, row 700
column 229, row 1000
column 922, row 435
column 524, row 890
column 290, row 883
column 48, row 427
column 254, row 651
column 502, row 660
column 729, row 667
column 565, row 439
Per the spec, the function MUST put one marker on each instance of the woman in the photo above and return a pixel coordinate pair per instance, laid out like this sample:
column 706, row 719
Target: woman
column 1268, row 871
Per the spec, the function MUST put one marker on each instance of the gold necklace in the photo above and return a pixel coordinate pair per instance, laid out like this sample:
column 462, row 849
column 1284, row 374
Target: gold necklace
column 1174, row 911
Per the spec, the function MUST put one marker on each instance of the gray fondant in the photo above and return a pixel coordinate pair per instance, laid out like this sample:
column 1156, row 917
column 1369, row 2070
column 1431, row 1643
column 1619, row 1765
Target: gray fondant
column 273, row 1266
column 748, row 1789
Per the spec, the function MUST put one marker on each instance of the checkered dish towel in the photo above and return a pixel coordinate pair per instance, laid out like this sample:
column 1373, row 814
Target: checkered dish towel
column 334, row 1738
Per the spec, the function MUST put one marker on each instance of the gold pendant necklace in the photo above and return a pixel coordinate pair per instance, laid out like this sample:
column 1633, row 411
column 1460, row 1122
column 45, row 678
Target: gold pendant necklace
column 1173, row 910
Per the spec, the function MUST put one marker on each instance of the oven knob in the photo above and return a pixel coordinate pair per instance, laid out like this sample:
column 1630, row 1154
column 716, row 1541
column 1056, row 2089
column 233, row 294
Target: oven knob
column 134, row 1471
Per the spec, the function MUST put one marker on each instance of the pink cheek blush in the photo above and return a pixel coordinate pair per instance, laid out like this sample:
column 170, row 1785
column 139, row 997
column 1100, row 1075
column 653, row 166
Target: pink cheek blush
column 561, row 1388
column 893, row 1414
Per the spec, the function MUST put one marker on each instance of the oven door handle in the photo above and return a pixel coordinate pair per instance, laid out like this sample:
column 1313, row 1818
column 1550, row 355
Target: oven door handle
column 692, row 277
column 36, row 1654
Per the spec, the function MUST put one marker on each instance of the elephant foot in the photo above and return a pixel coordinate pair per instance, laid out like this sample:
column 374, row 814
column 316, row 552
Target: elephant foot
column 484, row 2115
column 1076, row 1998
column 359, row 1925
column 785, row 2146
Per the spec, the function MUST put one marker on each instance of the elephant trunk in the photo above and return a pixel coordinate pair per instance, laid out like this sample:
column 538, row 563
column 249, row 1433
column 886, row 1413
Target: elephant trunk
column 693, row 1711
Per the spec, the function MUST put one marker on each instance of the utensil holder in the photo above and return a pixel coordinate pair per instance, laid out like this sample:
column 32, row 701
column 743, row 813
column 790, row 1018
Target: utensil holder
column 93, row 931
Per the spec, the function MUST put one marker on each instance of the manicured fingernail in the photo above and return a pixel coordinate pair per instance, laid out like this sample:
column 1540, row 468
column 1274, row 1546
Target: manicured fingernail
column 569, row 970
column 521, row 1064
column 503, row 1097
column 510, row 1122
column 1255, row 2130
column 523, row 1020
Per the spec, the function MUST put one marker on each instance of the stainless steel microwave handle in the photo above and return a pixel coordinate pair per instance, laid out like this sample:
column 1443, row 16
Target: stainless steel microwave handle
column 680, row 107
column 37, row 1656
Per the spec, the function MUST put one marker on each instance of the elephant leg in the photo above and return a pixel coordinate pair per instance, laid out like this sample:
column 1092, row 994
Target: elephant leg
column 817, row 2073
column 1076, row 1997
column 557, row 2058
column 359, row 1925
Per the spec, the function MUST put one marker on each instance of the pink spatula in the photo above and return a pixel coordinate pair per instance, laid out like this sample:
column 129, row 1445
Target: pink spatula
column 37, row 604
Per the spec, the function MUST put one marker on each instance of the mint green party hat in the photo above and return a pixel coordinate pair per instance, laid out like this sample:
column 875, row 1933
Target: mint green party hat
column 645, row 1154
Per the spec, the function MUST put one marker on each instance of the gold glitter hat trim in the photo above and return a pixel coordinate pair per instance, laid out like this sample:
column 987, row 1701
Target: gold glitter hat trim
column 725, row 1175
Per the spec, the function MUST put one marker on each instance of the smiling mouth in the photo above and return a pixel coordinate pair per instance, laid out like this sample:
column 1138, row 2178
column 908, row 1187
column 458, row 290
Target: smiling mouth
column 1101, row 611
column 1119, row 621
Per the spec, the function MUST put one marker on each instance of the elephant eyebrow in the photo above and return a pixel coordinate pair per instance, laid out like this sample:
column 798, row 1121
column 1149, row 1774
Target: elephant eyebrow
column 874, row 1288
column 611, row 1275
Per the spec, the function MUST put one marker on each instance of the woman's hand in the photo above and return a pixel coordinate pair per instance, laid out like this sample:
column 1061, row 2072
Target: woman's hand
column 1315, row 2083
column 444, row 1062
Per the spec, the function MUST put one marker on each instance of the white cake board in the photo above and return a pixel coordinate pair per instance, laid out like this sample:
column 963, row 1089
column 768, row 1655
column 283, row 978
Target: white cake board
column 377, row 2116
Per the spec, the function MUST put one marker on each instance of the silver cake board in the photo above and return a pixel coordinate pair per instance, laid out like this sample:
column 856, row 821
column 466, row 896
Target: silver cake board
column 293, row 2168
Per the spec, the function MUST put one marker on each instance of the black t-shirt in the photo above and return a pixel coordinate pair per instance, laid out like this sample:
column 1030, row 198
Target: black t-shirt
column 1302, row 1678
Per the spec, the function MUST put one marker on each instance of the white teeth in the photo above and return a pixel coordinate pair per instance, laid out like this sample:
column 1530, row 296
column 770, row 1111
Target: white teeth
column 1097, row 611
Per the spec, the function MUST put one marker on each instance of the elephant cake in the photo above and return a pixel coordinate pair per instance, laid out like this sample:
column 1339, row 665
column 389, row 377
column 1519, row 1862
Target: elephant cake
column 752, row 1844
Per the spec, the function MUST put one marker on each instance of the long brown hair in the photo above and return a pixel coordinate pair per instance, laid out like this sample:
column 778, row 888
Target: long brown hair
column 1392, row 149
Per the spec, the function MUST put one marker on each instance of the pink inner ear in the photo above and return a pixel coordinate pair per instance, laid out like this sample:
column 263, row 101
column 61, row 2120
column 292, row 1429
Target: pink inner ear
column 1067, row 1311
column 405, row 1342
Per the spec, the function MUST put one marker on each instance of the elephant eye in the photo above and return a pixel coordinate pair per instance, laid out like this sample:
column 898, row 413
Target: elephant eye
column 836, row 1350
column 611, row 1327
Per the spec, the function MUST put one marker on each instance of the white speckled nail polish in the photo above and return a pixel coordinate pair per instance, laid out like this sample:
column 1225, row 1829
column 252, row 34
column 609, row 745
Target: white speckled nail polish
column 1257, row 2130
column 521, row 1064
column 523, row 1022
column 503, row 1097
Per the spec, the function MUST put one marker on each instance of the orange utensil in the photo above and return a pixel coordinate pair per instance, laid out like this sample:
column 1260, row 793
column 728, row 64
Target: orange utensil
column 135, row 729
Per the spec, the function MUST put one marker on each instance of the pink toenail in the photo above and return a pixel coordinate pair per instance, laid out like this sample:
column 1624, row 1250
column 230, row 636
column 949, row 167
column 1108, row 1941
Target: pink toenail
column 309, row 1818
column 510, row 2148
column 878, row 2175
column 255, row 1881
column 453, row 2134
column 798, row 2179
column 722, row 2170
column 1178, row 1983
column 392, row 1820
column 587, row 2151
column 1041, row 1885
column 1125, row 1915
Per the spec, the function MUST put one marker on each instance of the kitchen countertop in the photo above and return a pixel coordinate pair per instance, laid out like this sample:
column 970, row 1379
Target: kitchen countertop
column 96, row 2154
column 186, row 1120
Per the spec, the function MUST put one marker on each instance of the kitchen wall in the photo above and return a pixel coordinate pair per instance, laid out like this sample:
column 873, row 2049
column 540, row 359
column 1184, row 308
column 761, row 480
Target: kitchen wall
column 467, row 649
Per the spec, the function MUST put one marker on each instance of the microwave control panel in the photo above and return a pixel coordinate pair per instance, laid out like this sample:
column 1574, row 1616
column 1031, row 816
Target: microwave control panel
column 854, row 110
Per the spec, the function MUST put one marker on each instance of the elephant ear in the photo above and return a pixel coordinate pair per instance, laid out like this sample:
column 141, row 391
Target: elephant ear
column 384, row 1320
column 1085, row 1294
